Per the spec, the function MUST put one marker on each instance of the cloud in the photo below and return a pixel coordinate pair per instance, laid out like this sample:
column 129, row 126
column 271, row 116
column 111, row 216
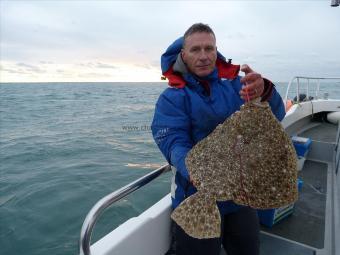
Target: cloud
column 46, row 62
column 144, row 65
column 237, row 35
column 313, row 54
column 91, row 75
column 13, row 71
column 249, row 60
column 31, row 68
column 21, row 68
column 87, row 64
column 155, row 63
column 104, row 65
column 270, row 55
column 124, row 36
column 94, row 65
column 25, row 65
column 142, row 52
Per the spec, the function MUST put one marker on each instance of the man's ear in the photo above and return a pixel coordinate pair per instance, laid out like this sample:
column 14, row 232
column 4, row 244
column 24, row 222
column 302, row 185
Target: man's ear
column 183, row 55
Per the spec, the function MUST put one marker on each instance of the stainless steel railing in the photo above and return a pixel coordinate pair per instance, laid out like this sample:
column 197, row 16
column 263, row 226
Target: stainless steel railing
column 105, row 202
column 308, row 79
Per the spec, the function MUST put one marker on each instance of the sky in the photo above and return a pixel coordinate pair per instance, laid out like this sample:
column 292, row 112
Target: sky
column 122, row 41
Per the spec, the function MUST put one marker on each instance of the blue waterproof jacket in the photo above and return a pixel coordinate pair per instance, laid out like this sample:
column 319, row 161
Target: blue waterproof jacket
column 185, row 114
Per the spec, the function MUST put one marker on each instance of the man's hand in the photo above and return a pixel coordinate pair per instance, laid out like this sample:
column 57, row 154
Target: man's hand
column 253, row 84
column 192, row 181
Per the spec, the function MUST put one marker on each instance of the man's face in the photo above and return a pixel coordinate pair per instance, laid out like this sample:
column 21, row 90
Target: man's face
column 199, row 53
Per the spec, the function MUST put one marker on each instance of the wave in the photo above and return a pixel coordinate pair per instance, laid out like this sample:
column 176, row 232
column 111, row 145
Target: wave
column 145, row 165
column 136, row 107
column 5, row 199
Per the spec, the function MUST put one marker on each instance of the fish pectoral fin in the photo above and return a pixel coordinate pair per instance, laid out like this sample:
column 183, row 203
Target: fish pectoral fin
column 198, row 216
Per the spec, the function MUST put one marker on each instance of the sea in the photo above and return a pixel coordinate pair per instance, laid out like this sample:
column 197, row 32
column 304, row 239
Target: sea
column 64, row 146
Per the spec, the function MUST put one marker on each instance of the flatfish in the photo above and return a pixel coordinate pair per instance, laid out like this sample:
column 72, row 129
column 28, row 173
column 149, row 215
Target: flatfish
column 249, row 159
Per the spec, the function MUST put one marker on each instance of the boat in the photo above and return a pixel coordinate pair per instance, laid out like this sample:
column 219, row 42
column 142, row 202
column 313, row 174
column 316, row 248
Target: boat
column 313, row 224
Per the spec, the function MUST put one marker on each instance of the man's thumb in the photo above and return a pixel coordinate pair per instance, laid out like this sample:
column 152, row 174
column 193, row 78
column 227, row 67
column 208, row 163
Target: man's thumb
column 246, row 69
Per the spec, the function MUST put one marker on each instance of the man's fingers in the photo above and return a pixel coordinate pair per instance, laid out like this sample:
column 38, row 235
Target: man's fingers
column 250, row 77
column 246, row 91
column 246, row 69
column 253, row 84
column 247, row 97
column 251, row 91
column 192, row 181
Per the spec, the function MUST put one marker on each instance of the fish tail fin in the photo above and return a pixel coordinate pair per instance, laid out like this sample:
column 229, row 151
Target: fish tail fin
column 198, row 216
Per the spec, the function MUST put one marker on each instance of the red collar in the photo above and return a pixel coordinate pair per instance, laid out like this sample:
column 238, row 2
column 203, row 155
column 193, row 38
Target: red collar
column 224, row 69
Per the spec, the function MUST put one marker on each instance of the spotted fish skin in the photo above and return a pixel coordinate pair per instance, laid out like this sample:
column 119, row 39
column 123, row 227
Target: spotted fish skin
column 248, row 159
column 199, row 215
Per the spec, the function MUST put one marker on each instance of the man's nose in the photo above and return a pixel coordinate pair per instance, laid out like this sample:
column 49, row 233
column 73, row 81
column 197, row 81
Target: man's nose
column 203, row 55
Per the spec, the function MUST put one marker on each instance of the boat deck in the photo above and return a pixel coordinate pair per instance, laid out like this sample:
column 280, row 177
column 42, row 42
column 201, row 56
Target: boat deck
column 304, row 231
column 325, row 132
column 307, row 224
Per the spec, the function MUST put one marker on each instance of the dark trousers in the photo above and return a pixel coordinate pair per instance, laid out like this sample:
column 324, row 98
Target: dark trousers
column 240, row 236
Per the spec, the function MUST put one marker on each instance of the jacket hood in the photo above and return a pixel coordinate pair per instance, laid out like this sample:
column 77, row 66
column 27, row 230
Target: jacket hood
column 169, row 57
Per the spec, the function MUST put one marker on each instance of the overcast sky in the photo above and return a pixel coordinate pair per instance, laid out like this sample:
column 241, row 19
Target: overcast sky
column 123, row 40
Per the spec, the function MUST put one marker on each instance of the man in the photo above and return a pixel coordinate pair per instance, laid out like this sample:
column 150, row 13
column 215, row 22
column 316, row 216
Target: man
column 204, row 91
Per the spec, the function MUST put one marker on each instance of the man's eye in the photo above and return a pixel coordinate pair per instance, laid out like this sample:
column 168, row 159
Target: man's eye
column 194, row 50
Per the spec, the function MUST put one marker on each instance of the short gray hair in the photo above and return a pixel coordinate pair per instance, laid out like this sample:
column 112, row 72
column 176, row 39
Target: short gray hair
column 198, row 28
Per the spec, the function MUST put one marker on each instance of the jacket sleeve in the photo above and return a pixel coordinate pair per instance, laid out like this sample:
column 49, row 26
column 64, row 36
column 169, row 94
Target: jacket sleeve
column 171, row 129
column 274, row 99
